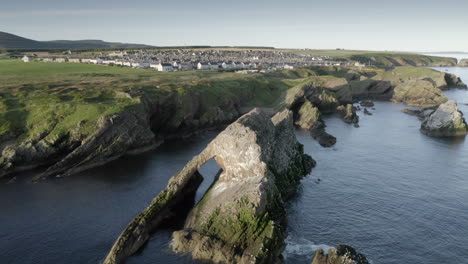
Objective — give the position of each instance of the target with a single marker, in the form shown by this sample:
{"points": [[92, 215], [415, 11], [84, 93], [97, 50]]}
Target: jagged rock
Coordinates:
{"points": [[116, 135], [367, 103], [421, 114], [446, 121], [348, 113], [366, 112], [180, 190], [453, 81], [323, 138], [422, 93], [342, 254], [325, 92], [463, 63], [241, 217], [373, 89], [309, 117]]}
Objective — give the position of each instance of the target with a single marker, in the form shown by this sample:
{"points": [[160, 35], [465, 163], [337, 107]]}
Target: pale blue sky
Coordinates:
{"points": [[410, 25]]}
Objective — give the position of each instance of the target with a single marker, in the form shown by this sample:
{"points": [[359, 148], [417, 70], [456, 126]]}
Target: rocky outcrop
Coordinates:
{"points": [[422, 93], [453, 81], [445, 121], [342, 254], [372, 89], [179, 193], [324, 92], [241, 217], [463, 63], [348, 113], [309, 117]]}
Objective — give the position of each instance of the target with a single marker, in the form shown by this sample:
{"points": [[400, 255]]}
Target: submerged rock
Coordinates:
{"points": [[446, 121], [241, 218], [366, 112], [342, 254]]}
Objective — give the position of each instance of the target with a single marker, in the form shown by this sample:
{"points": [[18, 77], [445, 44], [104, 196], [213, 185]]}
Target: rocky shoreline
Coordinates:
{"points": [[153, 119], [241, 218], [246, 224]]}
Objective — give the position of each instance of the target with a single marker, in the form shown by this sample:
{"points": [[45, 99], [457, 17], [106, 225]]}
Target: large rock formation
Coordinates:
{"points": [[446, 121], [417, 92], [453, 81], [348, 113], [309, 117], [325, 92], [241, 218], [342, 254], [463, 63]]}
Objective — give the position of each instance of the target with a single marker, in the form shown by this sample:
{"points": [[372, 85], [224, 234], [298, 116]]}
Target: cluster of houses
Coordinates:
{"points": [[186, 60]]}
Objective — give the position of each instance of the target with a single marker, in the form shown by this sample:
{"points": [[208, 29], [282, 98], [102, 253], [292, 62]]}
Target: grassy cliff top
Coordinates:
{"points": [[39, 96], [382, 58]]}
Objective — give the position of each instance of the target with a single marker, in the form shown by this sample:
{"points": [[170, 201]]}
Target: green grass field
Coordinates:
{"points": [[55, 97]]}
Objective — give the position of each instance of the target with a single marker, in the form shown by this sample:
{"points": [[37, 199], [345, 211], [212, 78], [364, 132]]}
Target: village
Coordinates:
{"points": [[241, 60]]}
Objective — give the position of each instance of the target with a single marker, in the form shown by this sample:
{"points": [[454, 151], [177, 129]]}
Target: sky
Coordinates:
{"points": [[394, 25]]}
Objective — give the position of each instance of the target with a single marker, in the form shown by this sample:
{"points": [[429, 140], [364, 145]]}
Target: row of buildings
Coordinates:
{"points": [[186, 59]]}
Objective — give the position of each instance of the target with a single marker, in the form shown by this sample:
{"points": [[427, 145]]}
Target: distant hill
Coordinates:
{"points": [[10, 41]]}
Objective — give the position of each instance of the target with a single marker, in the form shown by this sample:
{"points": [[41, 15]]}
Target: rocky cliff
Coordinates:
{"points": [[241, 218], [80, 127], [142, 125]]}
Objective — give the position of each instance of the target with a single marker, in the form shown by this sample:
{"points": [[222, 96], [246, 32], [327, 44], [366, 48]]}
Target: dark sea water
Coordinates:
{"points": [[395, 194]]}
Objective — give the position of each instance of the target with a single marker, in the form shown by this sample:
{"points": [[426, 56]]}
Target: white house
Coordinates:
{"points": [[25, 59], [203, 66], [164, 67]]}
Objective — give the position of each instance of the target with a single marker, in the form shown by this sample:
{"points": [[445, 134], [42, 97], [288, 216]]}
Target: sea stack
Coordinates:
{"points": [[241, 218], [445, 121]]}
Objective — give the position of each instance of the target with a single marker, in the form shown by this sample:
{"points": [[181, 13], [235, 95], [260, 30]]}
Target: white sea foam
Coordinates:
{"points": [[302, 247]]}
